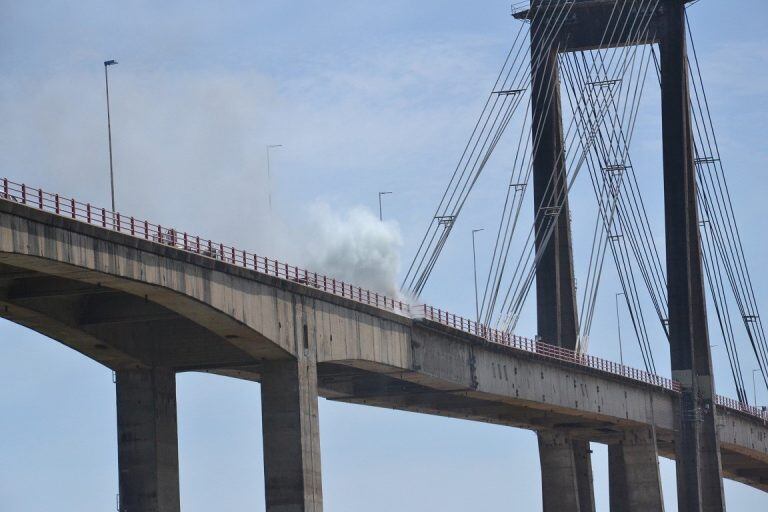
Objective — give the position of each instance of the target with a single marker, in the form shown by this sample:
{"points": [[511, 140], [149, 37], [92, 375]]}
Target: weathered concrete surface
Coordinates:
{"points": [[635, 483], [128, 303], [582, 455], [559, 481], [148, 453], [291, 433]]}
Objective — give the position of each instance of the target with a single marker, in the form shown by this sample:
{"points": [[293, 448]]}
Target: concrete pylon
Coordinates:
{"points": [[699, 471], [147, 442], [291, 437], [566, 474], [635, 484]]}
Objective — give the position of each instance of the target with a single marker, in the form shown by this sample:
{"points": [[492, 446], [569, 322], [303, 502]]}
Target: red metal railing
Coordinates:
{"points": [[101, 217], [730, 403], [545, 349], [143, 229], [571, 356]]}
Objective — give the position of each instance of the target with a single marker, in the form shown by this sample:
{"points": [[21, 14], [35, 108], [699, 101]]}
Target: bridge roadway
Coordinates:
{"points": [[148, 309]]}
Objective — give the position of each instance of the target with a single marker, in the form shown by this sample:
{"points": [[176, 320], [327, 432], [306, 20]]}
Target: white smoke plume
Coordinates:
{"points": [[354, 247]]}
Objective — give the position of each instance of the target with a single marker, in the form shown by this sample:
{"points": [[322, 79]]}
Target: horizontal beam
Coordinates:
{"points": [[597, 24]]}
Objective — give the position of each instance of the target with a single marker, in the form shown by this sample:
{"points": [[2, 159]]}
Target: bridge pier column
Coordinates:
{"points": [[291, 437], [566, 474], [147, 443], [635, 484]]}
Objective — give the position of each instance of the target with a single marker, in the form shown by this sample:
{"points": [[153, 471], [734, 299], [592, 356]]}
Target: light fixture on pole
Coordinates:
{"points": [[618, 327], [108, 63], [269, 173], [381, 216], [474, 265]]}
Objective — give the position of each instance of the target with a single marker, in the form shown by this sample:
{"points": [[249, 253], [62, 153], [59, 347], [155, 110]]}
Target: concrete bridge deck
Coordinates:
{"points": [[149, 309]]}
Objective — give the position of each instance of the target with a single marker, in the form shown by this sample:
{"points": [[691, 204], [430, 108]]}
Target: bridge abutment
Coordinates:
{"points": [[292, 470], [635, 484], [566, 474], [148, 454]]}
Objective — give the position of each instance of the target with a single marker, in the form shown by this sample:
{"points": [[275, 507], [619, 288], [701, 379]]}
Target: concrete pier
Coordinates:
{"points": [[566, 474], [635, 484], [148, 454], [291, 437], [582, 456]]}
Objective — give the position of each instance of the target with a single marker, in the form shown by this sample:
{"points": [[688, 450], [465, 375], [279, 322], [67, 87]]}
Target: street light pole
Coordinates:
{"points": [[269, 174], [474, 264], [618, 327], [108, 63], [381, 216]]}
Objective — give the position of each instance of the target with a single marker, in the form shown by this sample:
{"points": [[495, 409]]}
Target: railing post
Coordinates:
{"points": [[23, 194], [58, 209]]}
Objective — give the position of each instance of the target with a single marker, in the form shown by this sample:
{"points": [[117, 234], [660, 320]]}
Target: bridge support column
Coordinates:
{"points": [[291, 437], [566, 474], [635, 484], [147, 445]]}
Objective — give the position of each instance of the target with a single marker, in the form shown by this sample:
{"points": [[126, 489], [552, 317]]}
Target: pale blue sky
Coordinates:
{"points": [[365, 96]]}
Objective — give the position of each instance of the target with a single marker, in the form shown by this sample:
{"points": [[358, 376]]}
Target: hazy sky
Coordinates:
{"points": [[364, 96]]}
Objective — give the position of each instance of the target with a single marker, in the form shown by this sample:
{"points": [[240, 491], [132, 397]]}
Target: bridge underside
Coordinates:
{"points": [[121, 331]]}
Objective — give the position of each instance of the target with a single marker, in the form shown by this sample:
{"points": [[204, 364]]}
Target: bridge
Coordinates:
{"points": [[150, 301]]}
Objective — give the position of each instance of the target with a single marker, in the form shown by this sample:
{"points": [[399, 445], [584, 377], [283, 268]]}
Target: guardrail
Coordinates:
{"points": [[520, 6], [730, 403], [570, 356], [545, 349], [114, 221]]}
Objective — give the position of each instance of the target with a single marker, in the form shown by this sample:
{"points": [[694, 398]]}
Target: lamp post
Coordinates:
{"points": [[474, 264], [381, 216], [269, 173], [618, 327], [108, 63]]}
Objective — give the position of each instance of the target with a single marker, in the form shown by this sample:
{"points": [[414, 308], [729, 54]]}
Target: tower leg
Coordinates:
{"points": [[699, 473]]}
